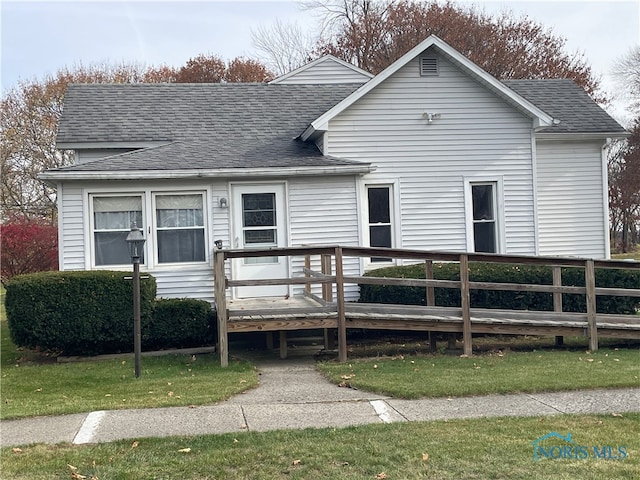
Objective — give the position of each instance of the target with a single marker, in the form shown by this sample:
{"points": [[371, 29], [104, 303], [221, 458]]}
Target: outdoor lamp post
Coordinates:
{"points": [[136, 243]]}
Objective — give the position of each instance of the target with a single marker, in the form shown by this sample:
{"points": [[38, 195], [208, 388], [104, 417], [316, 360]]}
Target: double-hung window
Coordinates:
{"points": [[379, 216], [173, 224], [179, 228], [113, 217], [484, 217]]}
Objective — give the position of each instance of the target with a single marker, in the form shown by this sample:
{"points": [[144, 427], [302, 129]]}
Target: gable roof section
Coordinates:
{"points": [[572, 108], [208, 128], [342, 72], [542, 119]]}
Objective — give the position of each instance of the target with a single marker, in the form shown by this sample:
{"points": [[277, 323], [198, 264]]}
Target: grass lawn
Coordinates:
{"points": [[459, 449], [31, 388], [496, 372]]}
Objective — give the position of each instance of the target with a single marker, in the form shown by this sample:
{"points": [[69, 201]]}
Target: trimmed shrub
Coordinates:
{"points": [[504, 273], [178, 323], [76, 313]]}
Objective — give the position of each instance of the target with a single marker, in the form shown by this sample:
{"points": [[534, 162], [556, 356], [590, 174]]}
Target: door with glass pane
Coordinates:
{"points": [[259, 220]]}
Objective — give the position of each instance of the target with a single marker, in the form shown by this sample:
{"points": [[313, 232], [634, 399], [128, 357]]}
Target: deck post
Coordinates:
{"points": [[465, 304], [307, 267], [220, 293], [283, 344], [590, 283], [327, 296], [557, 298], [431, 301], [342, 323]]}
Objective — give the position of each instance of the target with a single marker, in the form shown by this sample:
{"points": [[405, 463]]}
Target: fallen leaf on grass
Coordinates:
{"points": [[74, 473], [135, 444], [184, 450], [425, 457], [381, 476], [170, 394], [296, 462]]}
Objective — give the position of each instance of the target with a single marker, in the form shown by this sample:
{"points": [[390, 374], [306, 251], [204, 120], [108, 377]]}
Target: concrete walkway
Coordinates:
{"points": [[293, 395]]}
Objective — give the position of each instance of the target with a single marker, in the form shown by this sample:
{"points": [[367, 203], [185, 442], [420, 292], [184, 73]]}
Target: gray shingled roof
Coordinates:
{"points": [[567, 102], [228, 126], [205, 126]]}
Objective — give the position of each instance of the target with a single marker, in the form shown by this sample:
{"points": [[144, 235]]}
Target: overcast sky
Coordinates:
{"points": [[41, 37]]}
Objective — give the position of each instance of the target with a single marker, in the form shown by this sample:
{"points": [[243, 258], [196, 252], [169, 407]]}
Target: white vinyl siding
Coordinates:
{"points": [[72, 238], [324, 211], [477, 133], [326, 70], [570, 204]]}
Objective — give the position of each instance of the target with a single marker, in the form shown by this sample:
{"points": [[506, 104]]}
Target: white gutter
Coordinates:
{"points": [[210, 173], [581, 136]]}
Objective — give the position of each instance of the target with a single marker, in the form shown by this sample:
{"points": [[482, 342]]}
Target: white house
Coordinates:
{"points": [[433, 153]]}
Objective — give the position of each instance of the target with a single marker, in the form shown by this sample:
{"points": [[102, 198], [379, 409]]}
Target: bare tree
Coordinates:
{"points": [[627, 72], [284, 46]]}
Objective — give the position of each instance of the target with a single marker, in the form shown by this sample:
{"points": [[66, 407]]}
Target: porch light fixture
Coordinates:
{"points": [[136, 244], [431, 116], [224, 203]]}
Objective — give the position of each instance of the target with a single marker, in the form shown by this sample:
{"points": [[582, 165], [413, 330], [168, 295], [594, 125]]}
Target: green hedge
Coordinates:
{"points": [[91, 313], [179, 323], [504, 273]]}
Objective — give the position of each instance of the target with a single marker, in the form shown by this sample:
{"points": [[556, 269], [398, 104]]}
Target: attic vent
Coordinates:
{"points": [[428, 66]]}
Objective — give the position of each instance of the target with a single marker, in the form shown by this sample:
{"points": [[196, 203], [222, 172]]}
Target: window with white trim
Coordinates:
{"points": [[179, 228], [380, 218], [485, 217], [175, 229], [113, 217]]}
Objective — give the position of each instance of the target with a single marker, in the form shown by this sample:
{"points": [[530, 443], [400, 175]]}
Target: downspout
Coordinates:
{"points": [[605, 198], [534, 185]]}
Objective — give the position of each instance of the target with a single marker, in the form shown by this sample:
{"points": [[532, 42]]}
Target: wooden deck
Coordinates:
{"points": [[311, 311]]}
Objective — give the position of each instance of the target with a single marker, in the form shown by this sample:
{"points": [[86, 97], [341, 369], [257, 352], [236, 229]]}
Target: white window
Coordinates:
{"points": [[380, 217], [175, 231], [483, 216], [113, 217], [180, 234]]}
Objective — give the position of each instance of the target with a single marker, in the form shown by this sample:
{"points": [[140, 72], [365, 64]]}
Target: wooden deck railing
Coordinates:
{"points": [[339, 314]]}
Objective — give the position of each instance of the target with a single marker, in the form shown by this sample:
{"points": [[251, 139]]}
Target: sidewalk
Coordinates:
{"points": [[292, 395]]}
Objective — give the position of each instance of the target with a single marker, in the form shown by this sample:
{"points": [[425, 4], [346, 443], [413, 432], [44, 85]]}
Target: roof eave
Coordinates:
{"points": [[57, 175], [74, 145], [581, 135]]}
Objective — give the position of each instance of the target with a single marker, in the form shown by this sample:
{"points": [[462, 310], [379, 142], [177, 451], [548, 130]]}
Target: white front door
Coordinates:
{"points": [[259, 221]]}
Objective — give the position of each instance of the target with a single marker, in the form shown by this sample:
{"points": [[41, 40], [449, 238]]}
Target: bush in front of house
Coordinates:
{"points": [[504, 273], [76, 313], [179, 323], [91, 313]]}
